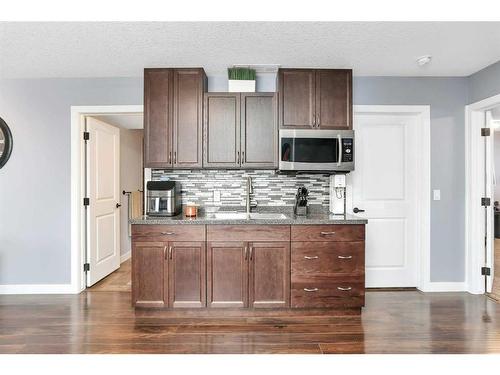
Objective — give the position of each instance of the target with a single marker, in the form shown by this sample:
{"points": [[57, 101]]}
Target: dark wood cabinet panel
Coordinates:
{"points": [[158, 118], [189, 86], [149, 269], [222, 130], [227, 274], [248, 232], [341, 292], [296, 98], [164, 233], [328, 232], [334, 98], [269, 276], [187, 274], [326, 259], [258, 130]]}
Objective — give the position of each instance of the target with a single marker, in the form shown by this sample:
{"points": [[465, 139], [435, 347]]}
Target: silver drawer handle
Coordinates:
{"points": [[344, 289], [309, 257], [345, 257], [311, 289], [168, 233], [327, 233]]}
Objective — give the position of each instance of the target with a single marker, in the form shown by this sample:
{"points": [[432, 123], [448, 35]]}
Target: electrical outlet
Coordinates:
{"points": [[216, 196], [436, 194]]}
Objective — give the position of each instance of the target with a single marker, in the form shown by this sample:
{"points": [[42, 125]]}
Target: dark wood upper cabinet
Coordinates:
{"points": [[334, 99], [258, 130], [189, 86], [222, 130], [297, 98], [149, 274], [227, 274], [158, 118], [173, 117], [315, 98], [187, 274], [269, 285]]}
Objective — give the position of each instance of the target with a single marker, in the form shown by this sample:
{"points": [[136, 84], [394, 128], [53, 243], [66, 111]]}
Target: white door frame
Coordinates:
{"points": [[474, 213], [424, 185], [78, 114]]}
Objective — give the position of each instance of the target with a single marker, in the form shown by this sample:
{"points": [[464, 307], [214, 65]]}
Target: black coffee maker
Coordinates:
{"points": [[300, 208]]}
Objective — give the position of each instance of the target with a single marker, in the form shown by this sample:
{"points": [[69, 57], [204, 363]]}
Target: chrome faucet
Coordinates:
{"points": [[249, 191]]}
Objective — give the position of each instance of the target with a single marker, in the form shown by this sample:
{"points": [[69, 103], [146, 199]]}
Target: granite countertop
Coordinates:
{"points": [[316, 215]]}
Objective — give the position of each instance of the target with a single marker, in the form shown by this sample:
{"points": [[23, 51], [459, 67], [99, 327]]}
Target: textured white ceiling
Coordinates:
{"points": [[32, 50]]}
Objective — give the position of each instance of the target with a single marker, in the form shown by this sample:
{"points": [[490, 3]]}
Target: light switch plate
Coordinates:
{"points": [[216, 196], [436, 194]]}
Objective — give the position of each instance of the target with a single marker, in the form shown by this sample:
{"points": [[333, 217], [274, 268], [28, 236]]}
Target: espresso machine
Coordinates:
{"points": [[163, 198]]}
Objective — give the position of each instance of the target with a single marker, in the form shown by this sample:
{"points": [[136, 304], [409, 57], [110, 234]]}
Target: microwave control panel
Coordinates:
{"points": [[347, 150]]}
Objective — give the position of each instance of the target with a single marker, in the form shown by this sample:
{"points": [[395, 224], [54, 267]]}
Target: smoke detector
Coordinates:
{"points": [[424, 60]]}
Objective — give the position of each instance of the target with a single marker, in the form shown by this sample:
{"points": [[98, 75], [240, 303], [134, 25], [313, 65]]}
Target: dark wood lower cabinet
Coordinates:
{"points": [[269, 276], [150, 285], [281, 268], [186, 274], [227, 274]]}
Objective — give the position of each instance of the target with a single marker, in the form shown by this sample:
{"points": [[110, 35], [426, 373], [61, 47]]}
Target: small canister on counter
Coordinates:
{"points": [[191, 209]]}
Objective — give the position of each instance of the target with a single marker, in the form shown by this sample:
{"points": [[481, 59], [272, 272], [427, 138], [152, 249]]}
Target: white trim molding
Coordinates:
{"points": [[78, 113], [436, 286], [125, 257], [475, 153], [424, 188], [37, 289]]}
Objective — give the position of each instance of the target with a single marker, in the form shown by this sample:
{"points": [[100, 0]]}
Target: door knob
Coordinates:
{"points": [[356, 210], [118, 205]]}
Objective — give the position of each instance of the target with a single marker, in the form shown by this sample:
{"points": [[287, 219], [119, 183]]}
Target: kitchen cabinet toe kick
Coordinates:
{"points": [[231, 271]]}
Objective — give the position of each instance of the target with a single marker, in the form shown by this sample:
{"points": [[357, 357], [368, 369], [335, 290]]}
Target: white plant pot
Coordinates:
{"points": [[241, 86]]}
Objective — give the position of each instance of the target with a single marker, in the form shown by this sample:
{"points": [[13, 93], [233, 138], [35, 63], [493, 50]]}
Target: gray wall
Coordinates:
{"points": [[484, 83], [35, 184]]}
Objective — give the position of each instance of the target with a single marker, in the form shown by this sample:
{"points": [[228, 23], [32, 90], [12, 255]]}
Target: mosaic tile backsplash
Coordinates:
{"points": [[269, 188]]}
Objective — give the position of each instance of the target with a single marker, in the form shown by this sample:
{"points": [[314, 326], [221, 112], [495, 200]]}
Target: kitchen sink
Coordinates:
{"points": [[244, 216]]}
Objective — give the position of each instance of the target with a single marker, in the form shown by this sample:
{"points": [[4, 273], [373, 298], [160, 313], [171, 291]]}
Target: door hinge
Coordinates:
{"points": [[86, 267], [485, 271], [485, 132], [485, 202], [86, 136], [86, 201]]}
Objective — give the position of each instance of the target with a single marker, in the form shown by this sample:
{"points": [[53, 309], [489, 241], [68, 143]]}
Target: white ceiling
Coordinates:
{"points": [[124, 121], [111, 49]]}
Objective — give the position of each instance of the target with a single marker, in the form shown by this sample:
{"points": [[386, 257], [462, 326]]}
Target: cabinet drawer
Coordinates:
{"points": [[335, 294], [168, 232], [250, 233], [320, 259], [342, 232]]}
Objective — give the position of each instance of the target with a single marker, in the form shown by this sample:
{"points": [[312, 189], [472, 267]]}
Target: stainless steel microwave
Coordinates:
{"points": [[316, 150]]}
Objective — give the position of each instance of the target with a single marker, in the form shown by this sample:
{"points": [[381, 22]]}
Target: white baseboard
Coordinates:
{"points": [[125, 257], [37, 289], [445, 287]]}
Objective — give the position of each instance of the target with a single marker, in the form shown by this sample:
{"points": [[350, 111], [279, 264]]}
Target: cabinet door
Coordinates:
{"points": [[189, 86], [157, 118], [334, 99], [227, 274], [149, 269], [187, 276], [259, 132], [296, 98], [269, 284], [222, 130]]}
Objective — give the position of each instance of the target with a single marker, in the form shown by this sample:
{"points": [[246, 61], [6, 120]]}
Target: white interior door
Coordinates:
{"points": [[103, 186], [384, 185]]}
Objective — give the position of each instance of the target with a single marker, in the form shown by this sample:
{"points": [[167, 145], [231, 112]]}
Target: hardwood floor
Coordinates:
{"points": [[118, 281], [392, 322]]}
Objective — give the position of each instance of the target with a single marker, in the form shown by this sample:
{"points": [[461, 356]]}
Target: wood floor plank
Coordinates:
{"points": [[391, 322]]}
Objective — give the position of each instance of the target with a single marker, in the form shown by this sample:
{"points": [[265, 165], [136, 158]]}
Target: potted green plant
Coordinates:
{"points": [[241, 80]]}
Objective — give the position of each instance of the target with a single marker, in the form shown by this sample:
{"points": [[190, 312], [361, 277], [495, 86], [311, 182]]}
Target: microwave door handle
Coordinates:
{"points": [[339, 160]]}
